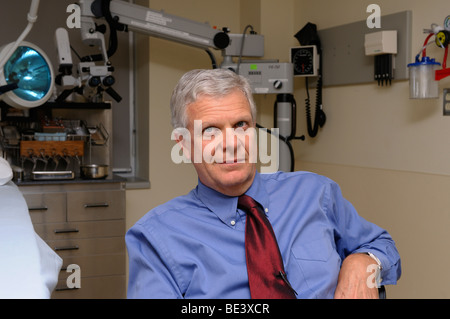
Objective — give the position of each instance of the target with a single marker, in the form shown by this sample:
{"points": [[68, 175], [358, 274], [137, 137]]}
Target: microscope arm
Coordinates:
{"points": [[121, 16], [157, 23]]}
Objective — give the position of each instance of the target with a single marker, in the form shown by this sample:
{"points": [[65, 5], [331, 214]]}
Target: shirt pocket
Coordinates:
{"points": [[320, 264], [316, 250]]}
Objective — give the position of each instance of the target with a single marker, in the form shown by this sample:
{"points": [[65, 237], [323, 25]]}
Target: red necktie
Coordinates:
{"points": [[266, 276]]}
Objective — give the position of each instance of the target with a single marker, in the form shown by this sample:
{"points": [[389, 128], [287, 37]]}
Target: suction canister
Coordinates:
{"points": [[422, 82]]}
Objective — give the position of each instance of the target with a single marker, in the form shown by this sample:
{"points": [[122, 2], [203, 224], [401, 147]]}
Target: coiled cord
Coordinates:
{"points": [[319, 118]]}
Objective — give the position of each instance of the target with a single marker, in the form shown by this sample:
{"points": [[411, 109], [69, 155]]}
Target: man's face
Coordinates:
{"points": [[225, 164]]}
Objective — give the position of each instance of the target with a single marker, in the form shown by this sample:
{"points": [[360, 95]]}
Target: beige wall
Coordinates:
{"points": [[388, 153], [379, 126]]}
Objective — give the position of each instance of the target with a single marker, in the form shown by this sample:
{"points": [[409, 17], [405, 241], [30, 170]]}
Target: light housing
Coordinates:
{"points": [[31, 67]]}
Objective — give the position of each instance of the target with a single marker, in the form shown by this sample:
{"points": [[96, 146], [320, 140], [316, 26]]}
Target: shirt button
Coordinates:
{"points": [[233, 222]]}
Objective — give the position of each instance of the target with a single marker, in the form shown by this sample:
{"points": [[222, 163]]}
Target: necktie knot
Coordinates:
{"points": [[246, 203]]}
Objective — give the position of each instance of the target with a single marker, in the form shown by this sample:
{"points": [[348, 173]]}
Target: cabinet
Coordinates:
{"points": [[84, 222]]}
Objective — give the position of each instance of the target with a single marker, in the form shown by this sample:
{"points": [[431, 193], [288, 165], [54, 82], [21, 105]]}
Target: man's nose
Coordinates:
{"points": [[229, 140]]}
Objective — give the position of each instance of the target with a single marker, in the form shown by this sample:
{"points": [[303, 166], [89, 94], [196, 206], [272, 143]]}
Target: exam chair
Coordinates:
{"points": [[382, 292], [29, 267]]}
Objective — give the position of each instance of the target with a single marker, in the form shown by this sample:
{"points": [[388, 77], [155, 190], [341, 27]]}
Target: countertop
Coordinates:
{"points": [[109, 179]]}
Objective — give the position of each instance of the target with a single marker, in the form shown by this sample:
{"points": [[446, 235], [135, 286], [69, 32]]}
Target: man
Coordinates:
{"points": [[195, 246]]}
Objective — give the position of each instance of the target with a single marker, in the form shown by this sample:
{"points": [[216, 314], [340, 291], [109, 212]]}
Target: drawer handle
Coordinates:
{"points": [[31, 209], [63, 231], [96, 205], [65, 288], [67, 248]]}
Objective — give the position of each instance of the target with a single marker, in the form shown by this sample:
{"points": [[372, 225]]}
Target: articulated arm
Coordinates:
{"points": [[158, 24]]}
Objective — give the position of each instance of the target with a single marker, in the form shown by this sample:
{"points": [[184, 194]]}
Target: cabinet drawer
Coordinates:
{"points": [[108, 287], [72, 230], [78, 247], [95, 205], [46, 208], [92, 266]]}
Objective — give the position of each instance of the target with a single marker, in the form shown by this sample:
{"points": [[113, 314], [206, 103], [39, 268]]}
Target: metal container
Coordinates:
{"points": [[93, 171]]}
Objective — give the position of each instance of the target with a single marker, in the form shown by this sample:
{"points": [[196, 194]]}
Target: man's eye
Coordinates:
{"points": [[241, 124], [210, 130]]}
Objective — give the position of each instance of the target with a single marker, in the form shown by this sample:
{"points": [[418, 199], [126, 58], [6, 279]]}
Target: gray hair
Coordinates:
{"points": [[215, 82]]}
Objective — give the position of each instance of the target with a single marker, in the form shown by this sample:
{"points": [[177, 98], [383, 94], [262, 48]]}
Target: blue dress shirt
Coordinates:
{"points": [[193, 245]]}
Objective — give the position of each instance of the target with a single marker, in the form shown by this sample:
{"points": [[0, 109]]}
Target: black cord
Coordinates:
{"points": [[308, 36], [286, 140], [8, 87], [213, 59], [242, 46], [311, 131], [75, 52], [319, 116]]}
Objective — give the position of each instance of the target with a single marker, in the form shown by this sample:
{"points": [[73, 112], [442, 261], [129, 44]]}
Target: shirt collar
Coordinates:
{"points": [[258, 192], [225, 206]]}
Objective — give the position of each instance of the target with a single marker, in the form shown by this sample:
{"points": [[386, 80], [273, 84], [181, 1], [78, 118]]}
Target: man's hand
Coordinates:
{"points": [[352, 281]]}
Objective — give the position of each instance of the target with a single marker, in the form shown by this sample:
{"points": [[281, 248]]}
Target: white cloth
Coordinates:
{"points": [[6, 173], [29, 268]]}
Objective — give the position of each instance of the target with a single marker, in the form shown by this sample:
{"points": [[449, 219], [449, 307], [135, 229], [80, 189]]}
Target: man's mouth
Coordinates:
{"points": [[235, 161]]}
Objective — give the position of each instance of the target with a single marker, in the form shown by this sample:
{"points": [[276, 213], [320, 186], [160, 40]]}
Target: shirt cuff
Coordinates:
{"points": [[376, 259]]}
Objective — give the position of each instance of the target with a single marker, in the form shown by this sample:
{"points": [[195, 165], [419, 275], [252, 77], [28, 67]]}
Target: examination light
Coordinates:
{"points": [[27, 75]]}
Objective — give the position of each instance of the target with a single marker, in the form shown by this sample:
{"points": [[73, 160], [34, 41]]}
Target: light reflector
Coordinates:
{"points": [[30, 68]]}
